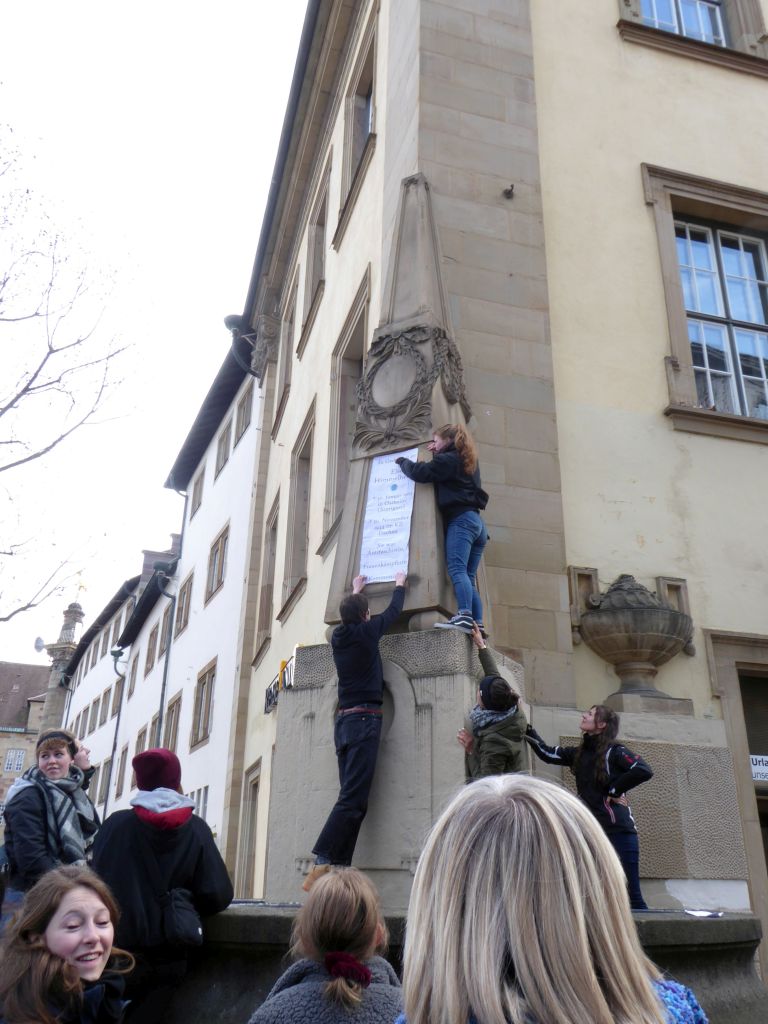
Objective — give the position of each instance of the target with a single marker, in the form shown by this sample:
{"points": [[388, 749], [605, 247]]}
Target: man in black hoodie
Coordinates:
{"points": [[357, 732]]}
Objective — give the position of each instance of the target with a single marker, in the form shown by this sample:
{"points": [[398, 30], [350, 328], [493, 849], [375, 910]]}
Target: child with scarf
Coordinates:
{"points": [[49, 819], [494, 734]]}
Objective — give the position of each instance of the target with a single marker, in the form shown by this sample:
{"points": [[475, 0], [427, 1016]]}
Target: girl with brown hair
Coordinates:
{"points": [[455, 472], [57, 961], [605, 771], [342, 978]]}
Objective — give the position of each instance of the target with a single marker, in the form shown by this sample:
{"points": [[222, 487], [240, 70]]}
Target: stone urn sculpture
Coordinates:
{"points": [[629, 627]]}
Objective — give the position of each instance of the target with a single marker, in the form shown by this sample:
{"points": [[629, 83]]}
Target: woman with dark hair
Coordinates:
{"points": [[494, 732], [49, 819], [57, 961], [605, 771], [455, 472], [341, 977]]}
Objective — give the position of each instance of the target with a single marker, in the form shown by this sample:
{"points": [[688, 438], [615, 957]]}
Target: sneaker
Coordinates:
{"points": [[314, 874], [463, 622], [483, 630]]}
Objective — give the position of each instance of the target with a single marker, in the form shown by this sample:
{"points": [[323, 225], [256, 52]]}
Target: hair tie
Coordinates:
{"points": [[344, 965]]}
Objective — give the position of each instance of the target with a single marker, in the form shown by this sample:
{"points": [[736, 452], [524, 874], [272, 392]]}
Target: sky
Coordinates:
{"points": [[146, 135]]}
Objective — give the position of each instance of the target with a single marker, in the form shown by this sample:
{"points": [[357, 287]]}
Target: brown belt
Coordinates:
{"points": [[361, 711]]}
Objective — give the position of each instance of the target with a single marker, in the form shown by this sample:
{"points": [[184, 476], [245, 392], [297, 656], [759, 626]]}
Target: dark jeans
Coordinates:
{"points": [[627, 846], [357, 739], [465, 538]]}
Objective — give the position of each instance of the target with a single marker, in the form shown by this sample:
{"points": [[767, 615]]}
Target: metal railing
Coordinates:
{"points": [[282, 681]]}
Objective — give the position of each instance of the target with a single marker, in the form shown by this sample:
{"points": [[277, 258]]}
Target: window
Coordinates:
{"points": [[154, 730], [243, 414], [172, 715], [346, 371], [94, 715], [182, 604], [316, 243], [141, 745], [93, 786], [731, 33], [94, 652], [712, 243], [132, 675], [14, 760], [117, 697], [149, 661], [120, 781], [83, 724], [266, 594], [197, 492], [285, 358], [165, 630], [359, 129], [116, 629], [201, 714], [246, 862], [222, 448], [106, 770], [725, 292], [697, 19], [104, 643], [105, 705], [217, 560], [297, 542]]}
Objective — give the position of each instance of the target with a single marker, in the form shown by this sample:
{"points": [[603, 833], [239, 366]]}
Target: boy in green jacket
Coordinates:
{"points": [[493, 736]]}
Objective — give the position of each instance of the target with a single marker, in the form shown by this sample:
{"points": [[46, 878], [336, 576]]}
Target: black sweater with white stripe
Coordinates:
{"points": [[624, 771]]}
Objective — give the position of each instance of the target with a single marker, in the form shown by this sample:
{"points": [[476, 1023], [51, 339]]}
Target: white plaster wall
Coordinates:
{"points": [[640, 497]]}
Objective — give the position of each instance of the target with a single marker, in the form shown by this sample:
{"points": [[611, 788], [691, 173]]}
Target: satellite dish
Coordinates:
{"points": [[39, 644]]}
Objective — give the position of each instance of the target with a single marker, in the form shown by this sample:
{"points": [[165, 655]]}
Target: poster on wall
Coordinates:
{"points": [[387, 524]]}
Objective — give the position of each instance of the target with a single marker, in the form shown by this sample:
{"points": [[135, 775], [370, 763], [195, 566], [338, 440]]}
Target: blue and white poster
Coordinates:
{"points": [[387, 524]]}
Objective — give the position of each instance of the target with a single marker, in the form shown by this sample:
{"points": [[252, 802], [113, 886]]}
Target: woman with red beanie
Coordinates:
{"points": [[146, 855]]}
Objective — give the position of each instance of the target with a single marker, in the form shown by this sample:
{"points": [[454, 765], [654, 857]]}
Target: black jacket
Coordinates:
{"points": [[456, 491], [625, 770], [356, 655], [188, 859]]}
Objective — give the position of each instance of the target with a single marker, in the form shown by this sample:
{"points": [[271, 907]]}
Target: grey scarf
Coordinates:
{"points": [[481, 718], [71, 818]]}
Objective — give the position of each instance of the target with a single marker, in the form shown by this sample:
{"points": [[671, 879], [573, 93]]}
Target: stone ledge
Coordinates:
{"points": [[245, 950]]}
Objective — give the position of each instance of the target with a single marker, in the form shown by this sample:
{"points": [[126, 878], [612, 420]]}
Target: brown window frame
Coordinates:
{"points": [[151, 655], [202, 708], [673, 195], [183, 602], [217, 564], [244, 412], [197, 492], [223, 448], [172, 720]]}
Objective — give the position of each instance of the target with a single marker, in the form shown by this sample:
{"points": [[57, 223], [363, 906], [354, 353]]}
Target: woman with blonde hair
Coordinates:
{"points": [[57, 961], [455, 472], [341, 977], [519, 915]]}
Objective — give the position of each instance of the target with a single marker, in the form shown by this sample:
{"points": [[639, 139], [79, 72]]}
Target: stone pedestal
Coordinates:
{"points": [[651, 701], [431, 681]]}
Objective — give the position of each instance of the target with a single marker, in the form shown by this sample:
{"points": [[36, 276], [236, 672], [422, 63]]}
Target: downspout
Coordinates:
{"points": [[116, 653]]}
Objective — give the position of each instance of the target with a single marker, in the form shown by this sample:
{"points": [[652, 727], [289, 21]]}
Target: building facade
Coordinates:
{"points": [[597, 191], [22, 696]]}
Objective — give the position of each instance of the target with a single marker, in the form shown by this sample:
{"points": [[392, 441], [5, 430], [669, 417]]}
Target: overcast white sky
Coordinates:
{"points": [[148, 134]]}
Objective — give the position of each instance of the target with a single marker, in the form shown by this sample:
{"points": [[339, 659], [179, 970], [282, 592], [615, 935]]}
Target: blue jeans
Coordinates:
{"points": [[357, 738], [627, 846], [465, 538]]}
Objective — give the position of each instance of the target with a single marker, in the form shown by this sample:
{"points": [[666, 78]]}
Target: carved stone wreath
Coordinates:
{"points": [[409, 418]]}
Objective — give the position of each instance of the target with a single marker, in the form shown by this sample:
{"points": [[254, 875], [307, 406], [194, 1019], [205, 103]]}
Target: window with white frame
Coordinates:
{"points": [[695, 19], [724, 276], [14, 760]]}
